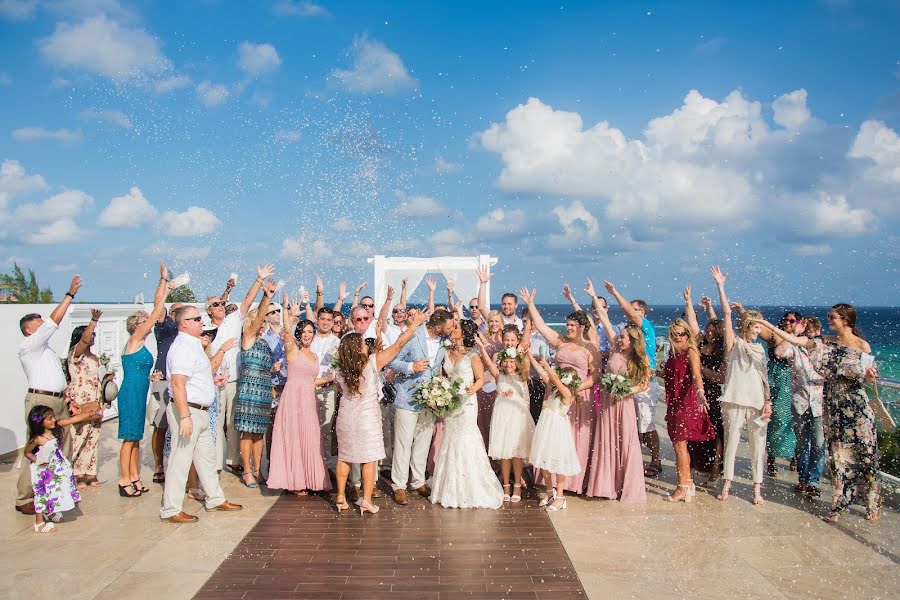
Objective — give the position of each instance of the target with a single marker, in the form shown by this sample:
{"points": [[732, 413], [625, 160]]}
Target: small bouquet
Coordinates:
{"points": [[616, 385], [104, 369], [440, 395]]}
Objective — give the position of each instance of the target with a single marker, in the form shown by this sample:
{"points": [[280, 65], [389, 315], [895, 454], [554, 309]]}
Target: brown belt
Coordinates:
{"points": [[197, 406], [45, 393]]}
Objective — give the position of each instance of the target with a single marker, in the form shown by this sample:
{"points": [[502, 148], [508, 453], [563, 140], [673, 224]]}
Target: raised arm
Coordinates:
{"points": [[450, 302], [320, 294], [159, 311], [289, 315], [342, 295], [486, 358], [528, 297], [385, 309], [797, 340], [484, 275], [432, 286], [383, 357], [564, 391], [706, 303], [689, 313], [567, 294], [229, 285], [632, 315], [540, 370], [59, 312], [356, 294], [84, 343], [603, 315], [720, 278], [403, 291], [261, 274], [248, 338], [303, 300]]}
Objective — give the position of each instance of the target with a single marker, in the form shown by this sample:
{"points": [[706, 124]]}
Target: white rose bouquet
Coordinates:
{"points": [[440, 395], [616, 385]]}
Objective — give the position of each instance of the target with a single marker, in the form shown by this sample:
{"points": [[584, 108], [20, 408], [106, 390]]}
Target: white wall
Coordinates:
{"points": [[111, 338]]}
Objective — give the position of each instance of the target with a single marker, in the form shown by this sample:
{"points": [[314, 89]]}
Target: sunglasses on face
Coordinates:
{"points": [[196, 319], [362, 319], [790, 320], [679, 333], [216, 304], [273, 312], [366, 305], [473, 306], [398, 311]]}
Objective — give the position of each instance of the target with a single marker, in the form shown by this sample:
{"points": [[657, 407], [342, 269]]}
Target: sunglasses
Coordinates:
{"points": [[273, 312], [366, 305], [398, 311], [216, 304], [196, 319], [790, 320], [473, 306], [679, 333], [362, 319]]}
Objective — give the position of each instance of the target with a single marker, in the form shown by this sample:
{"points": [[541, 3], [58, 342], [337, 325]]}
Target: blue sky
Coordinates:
{"points": [[635, 141]]}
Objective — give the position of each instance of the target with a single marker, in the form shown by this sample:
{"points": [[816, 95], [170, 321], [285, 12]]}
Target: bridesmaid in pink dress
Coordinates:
{"points": [[297, 459], [617, 469], [574, 349]]}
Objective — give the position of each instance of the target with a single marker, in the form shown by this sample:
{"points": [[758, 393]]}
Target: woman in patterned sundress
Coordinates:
{"points": [[253, 402]]}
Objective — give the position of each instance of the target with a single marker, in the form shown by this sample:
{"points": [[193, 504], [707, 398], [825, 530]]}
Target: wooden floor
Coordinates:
{"points": [[301, 548]]}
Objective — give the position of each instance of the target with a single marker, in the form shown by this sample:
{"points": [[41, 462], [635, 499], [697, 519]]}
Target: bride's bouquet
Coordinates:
{"points": [[616, 385], [441, 395]]}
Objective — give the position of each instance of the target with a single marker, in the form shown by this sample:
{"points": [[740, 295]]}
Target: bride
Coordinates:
{"points": [[463, 477]]}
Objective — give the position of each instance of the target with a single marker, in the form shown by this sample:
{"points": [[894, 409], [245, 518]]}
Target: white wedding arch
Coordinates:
{"points": [[392, 270]]}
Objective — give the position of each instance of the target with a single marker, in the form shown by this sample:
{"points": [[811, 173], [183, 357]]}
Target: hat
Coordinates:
{"points": [[109, 391]]}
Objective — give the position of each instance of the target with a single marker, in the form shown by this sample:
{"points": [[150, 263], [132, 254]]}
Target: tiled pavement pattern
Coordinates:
{"points": [[301, 548]]}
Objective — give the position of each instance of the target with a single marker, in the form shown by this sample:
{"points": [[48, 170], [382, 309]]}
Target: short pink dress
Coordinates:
{"points": [[298, 453], [359, 436]]}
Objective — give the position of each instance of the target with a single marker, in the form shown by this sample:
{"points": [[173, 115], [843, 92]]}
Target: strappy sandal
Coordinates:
{"points": [[506, 496], [757, 495], [547, 499], [123, 491], [159, 477], [142, 489], [516, 497], [258, 477], [725, 491], [45, 527], [249, 484]]}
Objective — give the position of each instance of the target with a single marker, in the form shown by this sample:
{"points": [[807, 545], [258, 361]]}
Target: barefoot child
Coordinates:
{"points": [[553, 446], [51, 473]]}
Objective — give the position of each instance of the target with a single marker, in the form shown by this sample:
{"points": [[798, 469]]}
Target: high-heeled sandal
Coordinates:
{"points": [[142, 489], [873, 514], [123, 491], [516, 497], [757, 495], [251, 484], [687, 497], [548, 498], [555, 507], [725, 491], [258, 477], [365, 506], [341, 504], [506, 496]]}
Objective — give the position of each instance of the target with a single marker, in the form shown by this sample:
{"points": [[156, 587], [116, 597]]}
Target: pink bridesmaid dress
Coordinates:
{"points": [[617, 469], [297, 461], [581, 414]]}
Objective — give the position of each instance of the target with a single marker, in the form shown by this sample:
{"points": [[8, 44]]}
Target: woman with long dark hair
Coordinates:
{"points": [[84, 388]]}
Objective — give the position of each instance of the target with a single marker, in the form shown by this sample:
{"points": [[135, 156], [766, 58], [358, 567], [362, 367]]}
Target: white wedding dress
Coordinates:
{"points": [[463, 477]]}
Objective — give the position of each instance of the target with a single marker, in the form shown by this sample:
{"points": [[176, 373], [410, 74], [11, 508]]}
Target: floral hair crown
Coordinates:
{"points": [[573, 382], [510, 353]]}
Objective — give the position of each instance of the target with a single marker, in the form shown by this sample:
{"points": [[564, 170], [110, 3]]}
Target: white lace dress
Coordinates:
{"points": [[463, 477]]}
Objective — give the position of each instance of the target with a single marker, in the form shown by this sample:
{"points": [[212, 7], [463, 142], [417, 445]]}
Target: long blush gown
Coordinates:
{"points": [[617, 469], [298, 455], [581, 413]]}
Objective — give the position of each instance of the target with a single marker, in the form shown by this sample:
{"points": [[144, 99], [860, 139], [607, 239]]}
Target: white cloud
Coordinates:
{"points": [[174, 254], [14, 179], [257, 59], [17, 10], [101, 45], [285, 136], [578, 225], [790, 110], [810, 249], [59, 231], [832, 216], [376, 69], [64, 205], [31, 134], [115, 118], [450, 242], [196, 220], [500, 222], [445, 166], [212, 94], [880, 144], [170, 84], [419, 206], [290, 8], [292, 249], [129, 210]]}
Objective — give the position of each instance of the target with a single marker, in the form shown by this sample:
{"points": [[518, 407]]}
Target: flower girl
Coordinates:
{"points": [[511, 424], [553, 446]]}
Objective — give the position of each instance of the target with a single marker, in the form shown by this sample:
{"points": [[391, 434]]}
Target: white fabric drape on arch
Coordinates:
{"points": [[462, 269]]}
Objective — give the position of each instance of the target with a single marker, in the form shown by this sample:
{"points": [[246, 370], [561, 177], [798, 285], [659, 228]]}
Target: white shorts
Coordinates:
{"points": [[645, 408]]}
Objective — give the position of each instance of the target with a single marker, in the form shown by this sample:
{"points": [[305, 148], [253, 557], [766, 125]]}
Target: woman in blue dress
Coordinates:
{"points": [[137, 362], [253, 401]]}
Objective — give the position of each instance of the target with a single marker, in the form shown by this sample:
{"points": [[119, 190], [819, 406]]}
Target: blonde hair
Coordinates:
{"points": [[691, 338], [746, 320], [250, 316], [638, 361], [131, 322]]}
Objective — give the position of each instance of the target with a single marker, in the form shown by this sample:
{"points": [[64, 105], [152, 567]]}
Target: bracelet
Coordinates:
{"points": [[185, 417], [70, 295], [95, 320]]}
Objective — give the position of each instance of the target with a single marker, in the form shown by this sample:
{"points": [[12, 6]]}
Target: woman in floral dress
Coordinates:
{"points": [[84, 388]]}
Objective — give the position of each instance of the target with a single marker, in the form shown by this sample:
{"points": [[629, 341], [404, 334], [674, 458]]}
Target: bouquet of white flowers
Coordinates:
{"points": [[616, 385], [440, 395]]}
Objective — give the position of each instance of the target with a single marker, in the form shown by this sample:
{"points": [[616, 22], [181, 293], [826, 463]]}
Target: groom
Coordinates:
{"points": [[417, 363]]}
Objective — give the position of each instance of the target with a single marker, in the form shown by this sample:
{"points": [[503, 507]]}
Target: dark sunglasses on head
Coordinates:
{"points": [[273, 312], [216, 304], [365, 305]]}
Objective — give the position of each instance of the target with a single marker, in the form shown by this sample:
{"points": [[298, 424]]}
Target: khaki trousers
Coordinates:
{"points": [[326, 399], [24, 492], [412, 439], [198, 449], [227, 445]]}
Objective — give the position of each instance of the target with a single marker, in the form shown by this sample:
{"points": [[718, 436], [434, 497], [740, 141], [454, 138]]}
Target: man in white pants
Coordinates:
{"points": [[192, 391]]}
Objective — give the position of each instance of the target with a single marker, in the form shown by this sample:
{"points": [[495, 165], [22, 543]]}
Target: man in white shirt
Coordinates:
{"points": [[46, 382], [509, 302], [193, 391], [324, 346], [229, 327]]}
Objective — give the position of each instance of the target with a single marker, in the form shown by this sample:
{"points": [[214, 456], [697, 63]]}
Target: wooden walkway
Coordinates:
{"points": [[301, 548]]}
